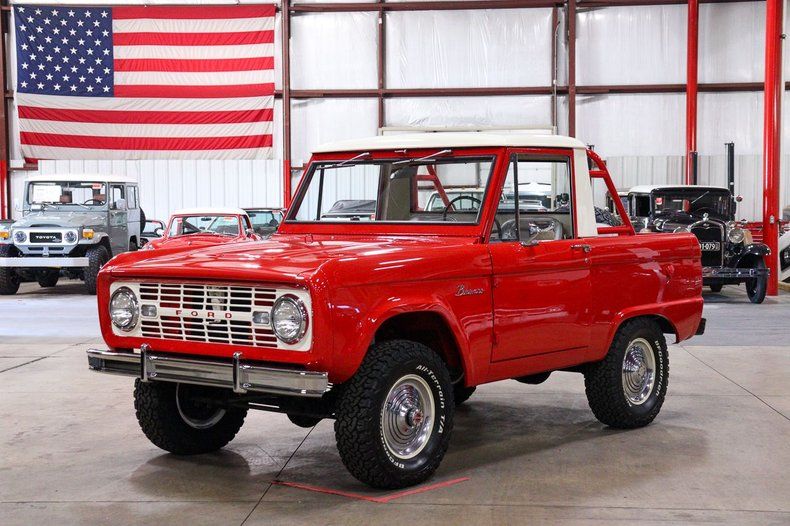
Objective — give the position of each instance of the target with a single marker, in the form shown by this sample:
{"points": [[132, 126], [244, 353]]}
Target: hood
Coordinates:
{"points": [[63, 219], [192, 241], [290, 258]]}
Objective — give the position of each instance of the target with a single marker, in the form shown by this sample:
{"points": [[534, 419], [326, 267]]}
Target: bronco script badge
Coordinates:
{"points": [[463, 291]]}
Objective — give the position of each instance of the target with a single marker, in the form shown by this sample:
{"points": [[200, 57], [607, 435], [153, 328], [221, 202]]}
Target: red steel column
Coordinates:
{"points": [[772, 126], [691, 85], [286, 71]]}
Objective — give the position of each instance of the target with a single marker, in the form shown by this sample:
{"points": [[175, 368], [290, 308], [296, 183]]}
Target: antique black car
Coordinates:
{"points": [[729, 256]]}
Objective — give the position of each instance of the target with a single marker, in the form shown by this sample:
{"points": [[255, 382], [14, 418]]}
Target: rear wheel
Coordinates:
{"points": [[627, 388], [97, 256], [47, 277], [185, 419], [9, 279], [757, 287], [395, 416]]}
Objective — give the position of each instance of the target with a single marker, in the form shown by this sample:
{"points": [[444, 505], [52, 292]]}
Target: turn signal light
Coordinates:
{"points": [[5, 234], [87, 233]]}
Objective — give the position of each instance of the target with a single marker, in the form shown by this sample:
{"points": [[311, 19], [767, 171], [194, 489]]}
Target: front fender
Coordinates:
{"points": [[750, 251], [355, 327]]}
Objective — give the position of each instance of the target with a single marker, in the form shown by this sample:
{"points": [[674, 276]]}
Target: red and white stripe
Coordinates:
{"points": [[190, 82]]}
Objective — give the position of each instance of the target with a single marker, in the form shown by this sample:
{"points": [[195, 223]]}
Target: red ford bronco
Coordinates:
{"points": [[386, 320]]}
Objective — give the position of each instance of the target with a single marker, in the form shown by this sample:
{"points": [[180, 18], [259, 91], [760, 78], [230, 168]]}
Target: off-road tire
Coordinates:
{"points": [[757, 287], [603, 381], [462, 393], [97, 256], [716, 287], [47, 278], [9, 279], [359, 427], [157, 412]]}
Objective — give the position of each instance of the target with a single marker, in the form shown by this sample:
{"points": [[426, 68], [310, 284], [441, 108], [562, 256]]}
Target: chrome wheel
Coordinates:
{"points": [[639, 371], [407, 417], [196, 414]]}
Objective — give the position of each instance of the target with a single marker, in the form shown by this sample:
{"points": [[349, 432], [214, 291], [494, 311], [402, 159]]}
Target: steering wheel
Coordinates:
{"points": [[92, 200], [474, 200]]}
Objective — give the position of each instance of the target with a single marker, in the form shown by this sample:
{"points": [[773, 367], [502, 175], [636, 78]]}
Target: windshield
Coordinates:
{"points": [[265, 221], [394, 190], [77, 194], [713, 202], [204, 224]]}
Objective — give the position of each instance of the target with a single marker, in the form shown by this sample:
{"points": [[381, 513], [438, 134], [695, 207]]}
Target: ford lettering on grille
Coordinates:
{"points": [[207, 313]]}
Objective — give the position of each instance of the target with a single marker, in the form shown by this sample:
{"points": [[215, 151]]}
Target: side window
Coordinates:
{"points": [[606, 212], [116, 193], [536, 200], [132, 201]]}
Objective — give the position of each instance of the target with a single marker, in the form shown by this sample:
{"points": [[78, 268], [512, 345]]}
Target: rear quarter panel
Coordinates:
{"points": [[644, 275]]}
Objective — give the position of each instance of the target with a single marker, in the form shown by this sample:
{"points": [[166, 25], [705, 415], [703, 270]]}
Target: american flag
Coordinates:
{"points": [[158, 82]]}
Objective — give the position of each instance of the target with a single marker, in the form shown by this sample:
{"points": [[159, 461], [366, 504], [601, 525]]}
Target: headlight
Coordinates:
{"points": [[289, 319], [124, 309], [70, 237], [20, 236], [736, 235]]}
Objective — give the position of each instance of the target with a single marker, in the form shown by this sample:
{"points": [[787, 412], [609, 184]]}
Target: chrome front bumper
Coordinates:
{"points": [[237, 375], [43, 262]]}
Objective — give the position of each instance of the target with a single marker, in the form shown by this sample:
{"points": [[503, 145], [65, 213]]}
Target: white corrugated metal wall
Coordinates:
{"points": [[641, 136]]}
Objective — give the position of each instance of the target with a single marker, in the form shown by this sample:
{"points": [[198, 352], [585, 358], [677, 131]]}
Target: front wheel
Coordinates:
{"points": [[97, 256], [395, 416], [716, 287], [9, 279], [757, 287], [627, 388], [185, 419]]}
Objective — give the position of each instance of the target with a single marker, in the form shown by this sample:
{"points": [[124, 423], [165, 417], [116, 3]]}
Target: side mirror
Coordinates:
{"points": [[532, 233], [159, 232], [17, 205], [250, 232], [738, 198]]}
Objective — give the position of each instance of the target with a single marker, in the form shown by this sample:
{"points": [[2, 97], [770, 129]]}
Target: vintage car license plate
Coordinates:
{"points": [[709, 246]]}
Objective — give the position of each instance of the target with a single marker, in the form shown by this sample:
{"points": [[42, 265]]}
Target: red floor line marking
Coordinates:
{"points": [[379, 500]]}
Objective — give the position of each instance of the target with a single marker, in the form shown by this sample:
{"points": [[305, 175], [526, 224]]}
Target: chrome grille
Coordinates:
{"points": [[207, 313]]}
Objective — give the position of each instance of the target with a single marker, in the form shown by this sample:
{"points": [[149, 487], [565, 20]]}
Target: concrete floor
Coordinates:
{"points": [[71, 451]]}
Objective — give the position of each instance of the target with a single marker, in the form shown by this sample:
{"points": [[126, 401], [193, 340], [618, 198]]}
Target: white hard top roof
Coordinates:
{"points": [[647, 188], [451, 140], [99, 178], [210, 211]]}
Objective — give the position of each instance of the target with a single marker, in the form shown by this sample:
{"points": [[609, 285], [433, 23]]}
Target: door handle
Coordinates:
{"points": [[584, 248]]}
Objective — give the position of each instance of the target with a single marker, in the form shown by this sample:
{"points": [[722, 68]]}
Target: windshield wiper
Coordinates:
{"points": [[426, 158], [347, 161], [700, 197]]}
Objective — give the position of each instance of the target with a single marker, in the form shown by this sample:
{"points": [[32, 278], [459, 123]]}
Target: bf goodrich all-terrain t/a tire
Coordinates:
{"points": [[47, 277], [462, 393], [9, 279], [757, 287], [627, 388], [176, 418], [395, 415], [97, 256]]}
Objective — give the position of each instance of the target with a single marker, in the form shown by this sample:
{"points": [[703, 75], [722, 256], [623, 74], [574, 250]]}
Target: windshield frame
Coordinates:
{"points": [[239, 222], [690, 194], [74, 206], [497, 157]]}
